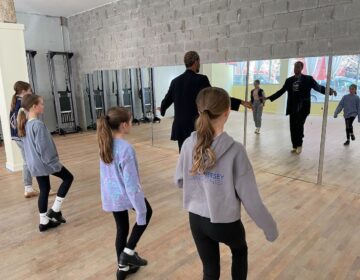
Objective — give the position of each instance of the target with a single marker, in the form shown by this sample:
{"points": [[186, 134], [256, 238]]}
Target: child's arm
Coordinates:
{"points": [[46, 147], [133, 186], [247, 190], [339, 107]]}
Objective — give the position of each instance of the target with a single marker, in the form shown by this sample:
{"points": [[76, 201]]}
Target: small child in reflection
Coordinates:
{"points": [[351, 105]]}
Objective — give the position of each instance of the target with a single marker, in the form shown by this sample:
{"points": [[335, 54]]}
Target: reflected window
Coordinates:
{"points": [[345, 71], [266, 71]]}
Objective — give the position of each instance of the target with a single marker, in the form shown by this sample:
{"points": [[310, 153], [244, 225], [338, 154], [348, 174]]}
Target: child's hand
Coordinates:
{"points": [[273, 236]]}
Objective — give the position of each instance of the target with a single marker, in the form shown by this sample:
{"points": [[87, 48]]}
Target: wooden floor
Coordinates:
{"points": [[270, 151], [319, 225]]}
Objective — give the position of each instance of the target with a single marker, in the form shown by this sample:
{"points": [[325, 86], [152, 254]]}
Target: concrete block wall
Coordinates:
{"points": [[132, 33], [140, 33]]}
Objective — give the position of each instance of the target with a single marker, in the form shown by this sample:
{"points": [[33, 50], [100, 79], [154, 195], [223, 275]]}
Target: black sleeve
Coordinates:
{"points": [[279, 93], [316, 86], [168, 100], [235, 103], [207, 82]]}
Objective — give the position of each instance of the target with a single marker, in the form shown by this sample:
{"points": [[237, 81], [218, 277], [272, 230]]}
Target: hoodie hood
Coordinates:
{"points": [[221, 144]]}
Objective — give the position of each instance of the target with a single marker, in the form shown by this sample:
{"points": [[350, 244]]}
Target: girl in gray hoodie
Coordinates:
{"points": [[42, 160], [217, 177]]}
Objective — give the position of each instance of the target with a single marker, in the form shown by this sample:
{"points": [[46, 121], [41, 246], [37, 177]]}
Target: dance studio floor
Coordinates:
{"points": [[319, 225]]}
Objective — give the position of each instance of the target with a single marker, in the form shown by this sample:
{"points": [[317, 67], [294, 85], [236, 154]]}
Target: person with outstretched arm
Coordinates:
{"points": [[298, 107]]}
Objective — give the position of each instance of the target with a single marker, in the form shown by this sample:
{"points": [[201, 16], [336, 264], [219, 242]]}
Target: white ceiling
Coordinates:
{"points": [[63, 8]]}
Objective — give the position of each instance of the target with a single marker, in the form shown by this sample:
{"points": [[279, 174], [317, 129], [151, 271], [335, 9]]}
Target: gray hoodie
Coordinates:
{"points": [[40, 152], [219, 192]]}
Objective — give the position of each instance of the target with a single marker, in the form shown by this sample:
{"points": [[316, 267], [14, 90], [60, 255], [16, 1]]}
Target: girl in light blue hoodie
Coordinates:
{"points": [[216, 176], [121, 188]]}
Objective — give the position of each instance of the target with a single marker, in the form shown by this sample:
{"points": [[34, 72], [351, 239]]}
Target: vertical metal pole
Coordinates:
{"points": [[324, 123], [246, 99], [358, 69]]}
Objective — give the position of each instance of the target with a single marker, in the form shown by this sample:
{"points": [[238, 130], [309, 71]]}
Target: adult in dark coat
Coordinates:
{"points": [[298, 106], [182, 92]]}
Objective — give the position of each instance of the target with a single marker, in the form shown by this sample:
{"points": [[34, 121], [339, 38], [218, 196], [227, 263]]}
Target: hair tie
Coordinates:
{"points": [[107, 118]]}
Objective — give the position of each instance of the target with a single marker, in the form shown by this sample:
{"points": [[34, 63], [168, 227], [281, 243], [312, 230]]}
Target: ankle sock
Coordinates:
{"points": [[57, 204], [29, 189], [124, 267], [129, 251], [44, 220]]}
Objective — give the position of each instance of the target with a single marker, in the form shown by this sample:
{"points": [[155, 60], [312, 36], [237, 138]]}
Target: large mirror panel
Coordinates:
{"points": [[342, 158]]}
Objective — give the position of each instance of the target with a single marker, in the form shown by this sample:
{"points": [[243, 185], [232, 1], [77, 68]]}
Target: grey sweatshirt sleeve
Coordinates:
{"points": [[339, 107], [179, 176], [46, 147], [247, 190]]}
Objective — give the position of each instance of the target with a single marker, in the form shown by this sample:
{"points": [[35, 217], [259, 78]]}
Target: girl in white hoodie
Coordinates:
{"points": [[216, 176]]}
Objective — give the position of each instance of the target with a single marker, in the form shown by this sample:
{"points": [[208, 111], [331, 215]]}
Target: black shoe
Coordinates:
{"points": [[55, 216], [347, 143], [353, 137], [121, 275], [126, 259], [49, 225]]}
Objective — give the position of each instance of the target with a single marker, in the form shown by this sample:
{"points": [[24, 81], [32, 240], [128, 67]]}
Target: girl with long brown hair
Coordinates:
{"points": [[216, 176], [42, 159], [21, 89], [121, 187]]}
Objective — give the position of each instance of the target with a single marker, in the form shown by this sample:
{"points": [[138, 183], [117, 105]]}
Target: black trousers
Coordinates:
{"points": [[297, 122], [180, 143], [207, 237], [122, 230], [44, 186], [349, 127]]}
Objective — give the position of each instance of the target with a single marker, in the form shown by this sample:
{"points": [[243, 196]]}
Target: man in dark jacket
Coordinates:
{"points": [[182, 92], [298, 106]]}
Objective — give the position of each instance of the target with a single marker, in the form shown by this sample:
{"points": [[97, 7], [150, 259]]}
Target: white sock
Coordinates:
{"points": [[124, 267], [44, 219], [129, 251], [57, 204], [29, 189]]}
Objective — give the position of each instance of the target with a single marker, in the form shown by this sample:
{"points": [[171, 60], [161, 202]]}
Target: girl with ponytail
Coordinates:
{"points": [[43, 160], [21, 89], [217, 177], [121, 187]]}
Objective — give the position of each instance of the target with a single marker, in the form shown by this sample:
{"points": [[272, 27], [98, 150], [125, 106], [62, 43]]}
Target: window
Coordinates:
{"points": [[345, 71], [267, 71]]}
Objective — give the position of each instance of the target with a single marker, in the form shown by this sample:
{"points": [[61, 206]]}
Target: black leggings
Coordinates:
{"points": [[122, 230], [349, 127], [44, 186], [207, 237]]}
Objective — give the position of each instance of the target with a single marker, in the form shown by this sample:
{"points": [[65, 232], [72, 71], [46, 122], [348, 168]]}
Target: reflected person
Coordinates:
{"points": [[298, 106], [182, 92]]}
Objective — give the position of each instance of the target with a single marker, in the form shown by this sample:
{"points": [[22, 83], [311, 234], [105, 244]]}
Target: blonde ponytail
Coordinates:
{"points": [[211, 102], [204, 156]]}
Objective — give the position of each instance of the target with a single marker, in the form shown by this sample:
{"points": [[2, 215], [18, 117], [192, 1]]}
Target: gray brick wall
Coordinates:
{"points": [[133, 33]]}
